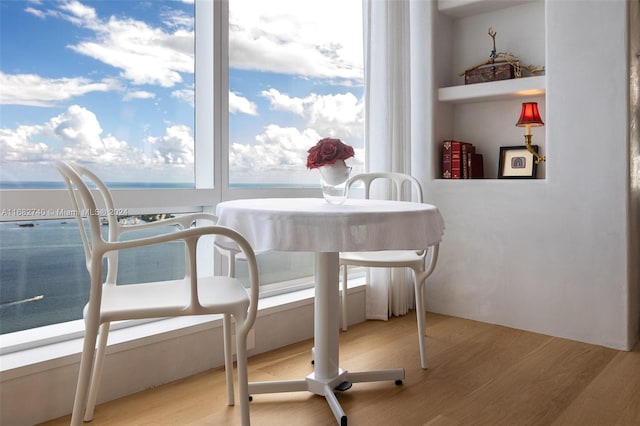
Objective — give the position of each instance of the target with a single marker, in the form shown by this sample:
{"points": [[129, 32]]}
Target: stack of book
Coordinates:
{"points": [[461, 161]]}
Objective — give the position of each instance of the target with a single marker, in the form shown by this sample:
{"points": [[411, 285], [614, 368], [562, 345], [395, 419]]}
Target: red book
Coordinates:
{"points": [[456, 159], [446, 160], [458, 166]]}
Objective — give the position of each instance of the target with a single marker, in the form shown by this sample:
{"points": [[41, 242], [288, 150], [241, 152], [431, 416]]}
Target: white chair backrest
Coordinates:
{"points": [[85, 207], [87, 210], [396, 188]]}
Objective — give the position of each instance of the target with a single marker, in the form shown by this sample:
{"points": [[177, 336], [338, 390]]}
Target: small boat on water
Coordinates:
{"points": [[30, 299]]}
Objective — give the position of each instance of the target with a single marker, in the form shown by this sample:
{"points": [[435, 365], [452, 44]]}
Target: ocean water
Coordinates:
{"points": [[44, 280], [43, 277]]}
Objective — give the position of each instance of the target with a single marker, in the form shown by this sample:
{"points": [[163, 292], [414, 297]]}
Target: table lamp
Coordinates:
{"points": [[530, 117]]}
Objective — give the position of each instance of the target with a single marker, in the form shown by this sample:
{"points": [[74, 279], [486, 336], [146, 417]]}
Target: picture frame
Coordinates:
{"points": [[516, 162]]}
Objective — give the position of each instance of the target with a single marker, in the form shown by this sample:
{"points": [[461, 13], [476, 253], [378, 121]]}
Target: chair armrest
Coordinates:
{"points": [[190, 237], [183, 221], [183, 234], [435, 249]]}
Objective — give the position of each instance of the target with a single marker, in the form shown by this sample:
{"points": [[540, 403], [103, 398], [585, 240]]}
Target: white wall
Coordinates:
{"points": [[551, 255], [634, 167]]}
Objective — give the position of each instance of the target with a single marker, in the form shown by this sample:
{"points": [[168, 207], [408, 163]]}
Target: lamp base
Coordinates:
{"points": [[539, 158]]}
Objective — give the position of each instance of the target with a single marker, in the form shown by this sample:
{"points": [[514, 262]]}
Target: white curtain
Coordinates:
{"points": [[396, 107]]}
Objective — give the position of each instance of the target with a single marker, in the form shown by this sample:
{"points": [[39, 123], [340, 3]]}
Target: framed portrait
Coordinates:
{"points": [[516, 162]]}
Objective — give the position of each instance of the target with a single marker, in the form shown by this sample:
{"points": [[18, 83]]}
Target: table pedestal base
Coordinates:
{"points": [[327, 387], [327, 377]]}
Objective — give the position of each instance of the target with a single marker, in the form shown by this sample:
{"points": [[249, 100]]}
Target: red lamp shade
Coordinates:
{"points": [[529, 115]]}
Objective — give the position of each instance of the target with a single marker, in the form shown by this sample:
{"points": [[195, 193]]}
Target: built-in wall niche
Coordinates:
{"points": [[520, 30], [485, 113], [490, 125]]}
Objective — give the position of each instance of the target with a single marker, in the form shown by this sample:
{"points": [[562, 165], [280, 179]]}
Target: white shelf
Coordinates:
{"points": [[462, 8], [494, 90], [483, 113]]}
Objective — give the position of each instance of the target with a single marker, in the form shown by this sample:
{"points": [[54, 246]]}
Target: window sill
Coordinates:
{"points": [[33, 360]]}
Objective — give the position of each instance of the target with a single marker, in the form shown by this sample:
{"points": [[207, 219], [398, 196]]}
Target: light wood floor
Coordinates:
{"points": [[479, 374]]}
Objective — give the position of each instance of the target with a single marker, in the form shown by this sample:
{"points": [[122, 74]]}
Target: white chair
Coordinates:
{"points": [[421, 263], [191, 295]]}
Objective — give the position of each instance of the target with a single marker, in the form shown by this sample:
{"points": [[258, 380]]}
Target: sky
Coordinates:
{"points": [[110, 83]]}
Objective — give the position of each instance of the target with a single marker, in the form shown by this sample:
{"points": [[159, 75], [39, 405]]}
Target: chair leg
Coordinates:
{"points": [[420, 314], [103, 336], [344, 298], [228, 357], [420, 277], [243, 376], [84, 376]]}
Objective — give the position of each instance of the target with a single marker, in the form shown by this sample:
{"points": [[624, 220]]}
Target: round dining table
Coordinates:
{"points": [[314, 225]]}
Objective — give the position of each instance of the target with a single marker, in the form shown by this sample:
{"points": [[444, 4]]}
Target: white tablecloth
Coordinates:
{"points": [[312, 224]]}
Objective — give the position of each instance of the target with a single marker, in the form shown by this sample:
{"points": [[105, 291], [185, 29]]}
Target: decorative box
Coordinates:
{"points": [[490, 72]]}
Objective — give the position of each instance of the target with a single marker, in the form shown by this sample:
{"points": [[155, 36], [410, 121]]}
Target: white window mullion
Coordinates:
{"points": [[205, 125], [221, 94]]}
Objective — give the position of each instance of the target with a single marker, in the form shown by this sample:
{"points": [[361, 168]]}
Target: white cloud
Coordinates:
{"points": [[138, 94], [338, 115], [18, 145], [81, 135], [35, 12], [33, 90], [279, 156], [79, 12], [313, 39], [241, 104], [278, 148], [76, 135], [185, 95], [175, 147], [279, 153], [143, 54], [281, 101]]}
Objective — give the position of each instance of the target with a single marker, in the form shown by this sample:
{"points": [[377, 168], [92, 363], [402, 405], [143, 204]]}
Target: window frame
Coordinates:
{"points": [[211, 148]]}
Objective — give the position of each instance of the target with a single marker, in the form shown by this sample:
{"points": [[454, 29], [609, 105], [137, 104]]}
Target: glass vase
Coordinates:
{"points": [[333, 180]]}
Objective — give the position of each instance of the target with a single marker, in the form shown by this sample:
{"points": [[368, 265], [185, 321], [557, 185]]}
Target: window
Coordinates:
{"points": [[295, 77], [108, 83], [44, 278], [112, 84]]}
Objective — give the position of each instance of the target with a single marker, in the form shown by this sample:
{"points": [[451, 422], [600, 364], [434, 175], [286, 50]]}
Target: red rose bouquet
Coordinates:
{"points": [[328, 151]]}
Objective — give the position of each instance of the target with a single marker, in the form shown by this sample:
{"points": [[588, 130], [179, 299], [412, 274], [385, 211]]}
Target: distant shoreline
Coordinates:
{"points": [[138, 185], [60, 185]]}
